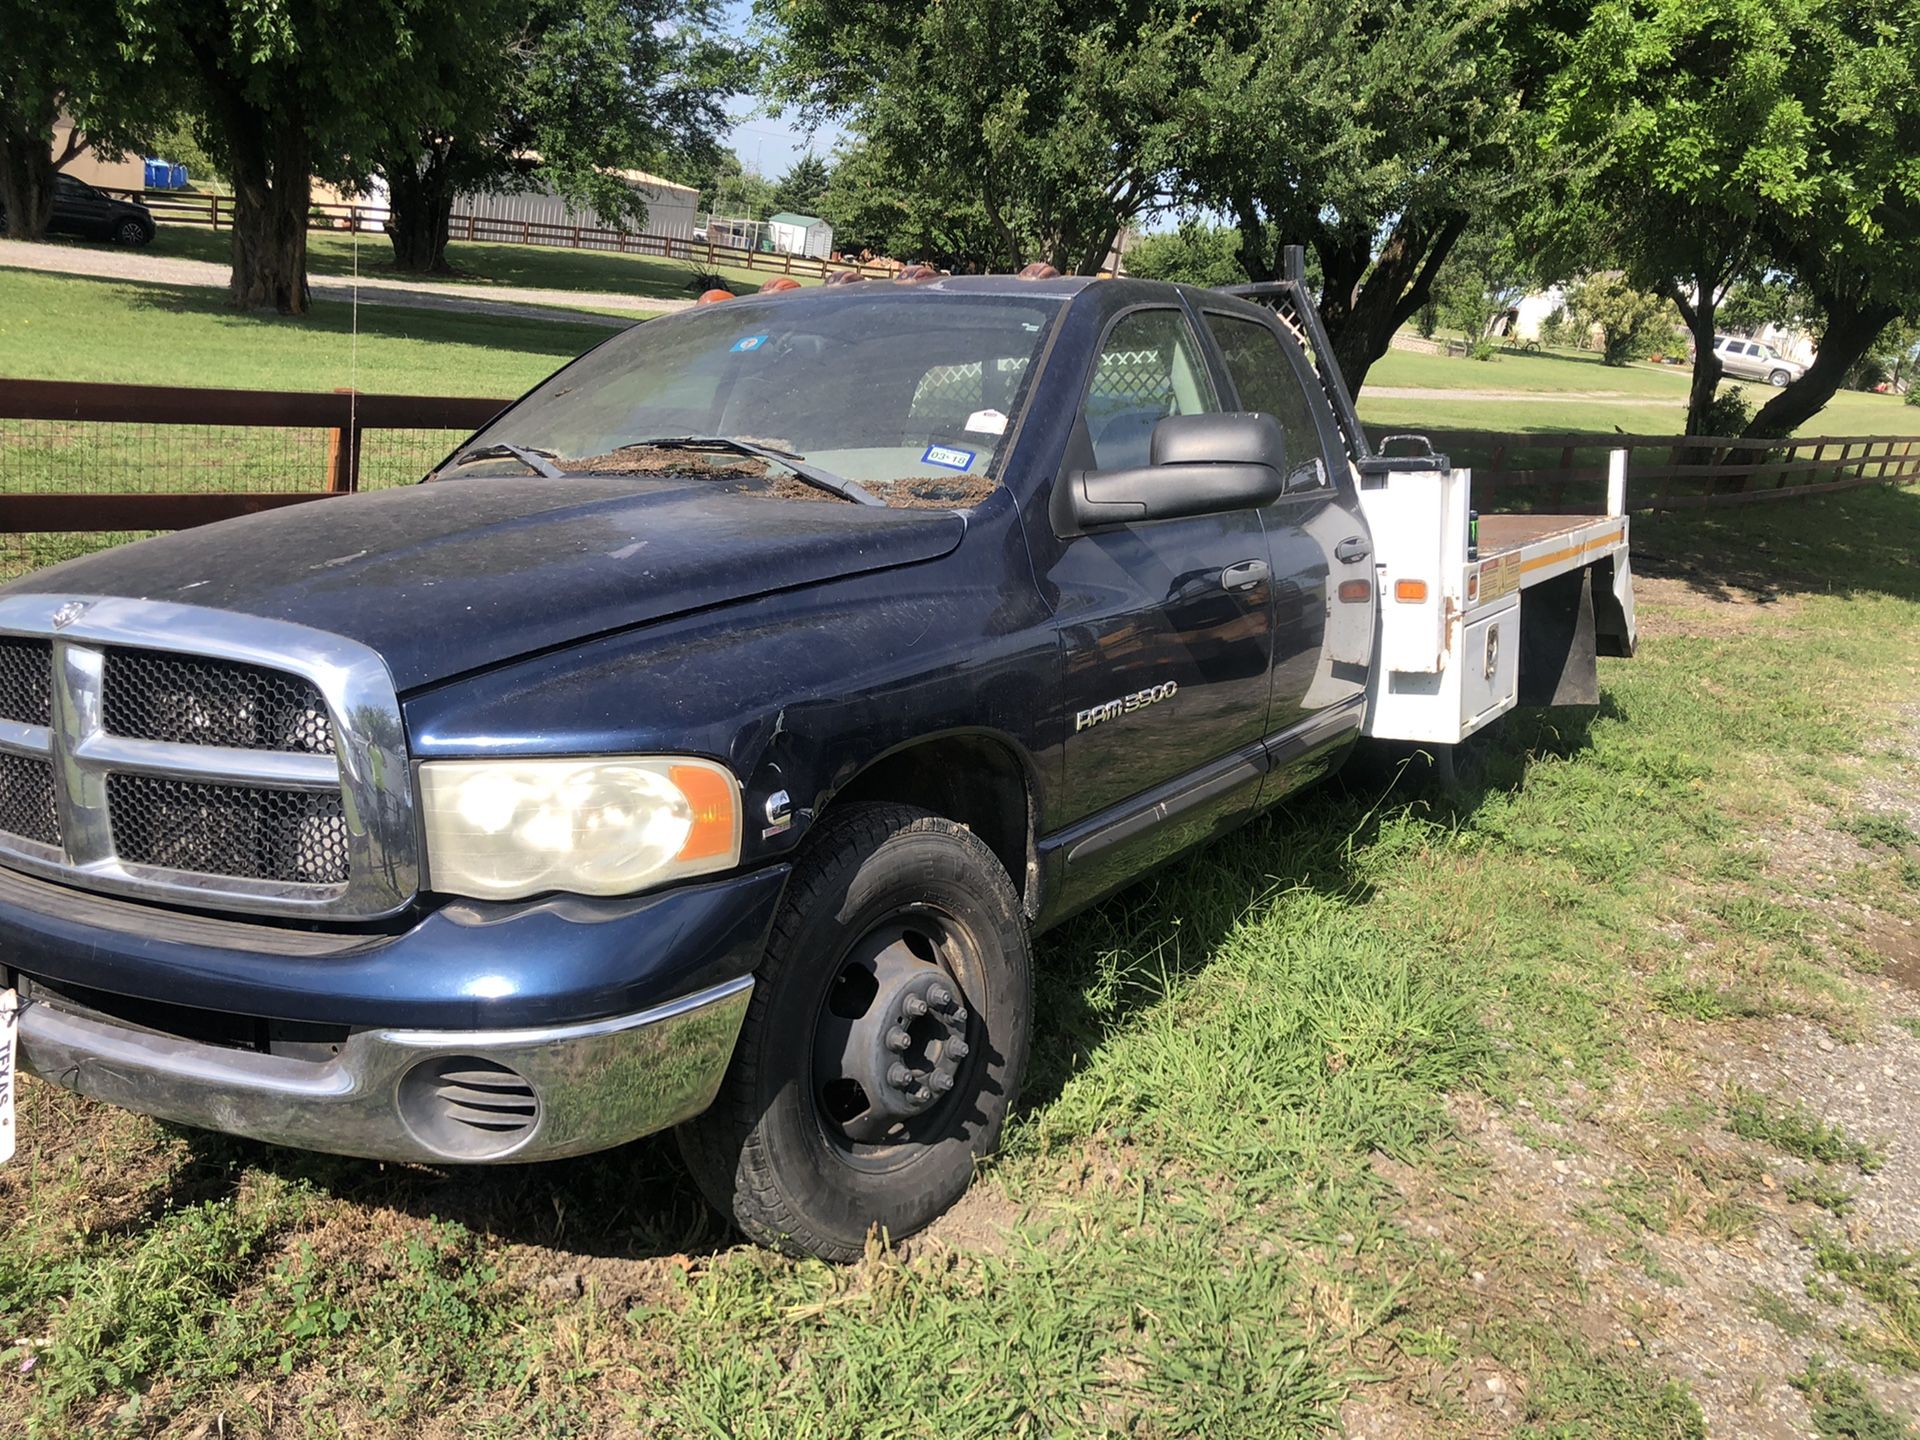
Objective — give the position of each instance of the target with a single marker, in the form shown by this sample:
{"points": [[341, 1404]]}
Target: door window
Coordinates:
{"points": [[1148, 368], [1264, 378]]}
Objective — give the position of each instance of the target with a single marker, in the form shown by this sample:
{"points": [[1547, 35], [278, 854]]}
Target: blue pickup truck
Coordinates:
{"points": [[702, 743]]}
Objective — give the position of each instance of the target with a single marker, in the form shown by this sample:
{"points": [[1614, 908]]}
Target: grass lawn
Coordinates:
{"points": [[544, 267], [1651, 400], [65, 327], [1277, 1171]]}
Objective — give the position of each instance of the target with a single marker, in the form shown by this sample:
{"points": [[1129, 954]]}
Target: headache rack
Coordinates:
{"points": [[1450, 651]]}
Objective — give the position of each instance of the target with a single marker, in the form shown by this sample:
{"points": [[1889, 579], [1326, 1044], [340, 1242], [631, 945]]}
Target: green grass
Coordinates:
{"points": [[1652, 400], [1890, 1281], [64, 327], [1842, 1407], [1794, 1130], [1202, 1221], [540, 267]]}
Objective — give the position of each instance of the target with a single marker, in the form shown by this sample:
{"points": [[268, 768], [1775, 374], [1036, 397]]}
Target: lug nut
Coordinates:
{"points": [[939, 996], [899, 1076], [898, 1040], [914, 1006], [940, 1081], [959, 1015], [955, 1050]]}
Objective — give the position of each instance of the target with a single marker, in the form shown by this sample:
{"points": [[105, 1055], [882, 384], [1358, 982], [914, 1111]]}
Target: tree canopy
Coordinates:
{"points": [[1053, 119], [1744, 145]]}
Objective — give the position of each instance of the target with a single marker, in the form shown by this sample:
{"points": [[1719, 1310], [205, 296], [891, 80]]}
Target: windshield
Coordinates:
{"points": [[910, 395]]}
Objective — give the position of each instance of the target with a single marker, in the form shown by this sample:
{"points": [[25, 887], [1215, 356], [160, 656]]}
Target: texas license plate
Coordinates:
{"points": [[9, 1037]]}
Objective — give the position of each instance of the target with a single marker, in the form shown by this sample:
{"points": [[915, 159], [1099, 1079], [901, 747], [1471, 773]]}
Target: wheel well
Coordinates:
{"points": [[975, 781]]}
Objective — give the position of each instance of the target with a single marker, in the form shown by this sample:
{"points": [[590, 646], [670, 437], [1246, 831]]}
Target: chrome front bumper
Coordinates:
{"points": [[439, 1096]]}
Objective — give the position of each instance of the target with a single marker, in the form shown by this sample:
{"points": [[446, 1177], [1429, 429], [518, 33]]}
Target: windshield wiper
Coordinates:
{"points": [[538, 461], [811, 474]]}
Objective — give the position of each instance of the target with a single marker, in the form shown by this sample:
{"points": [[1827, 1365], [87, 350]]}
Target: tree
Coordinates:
{"points": [[523, 93], [1482, 279], [69, 56], [1054, 117], [1631, 320], [801, 188], [1370, 133], [284, 92], [1736, 144], [1195, 254], [872, 205]]}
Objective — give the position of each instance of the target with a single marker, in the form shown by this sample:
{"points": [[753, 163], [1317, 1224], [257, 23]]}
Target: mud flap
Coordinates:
{"points": [[1557, 664]]}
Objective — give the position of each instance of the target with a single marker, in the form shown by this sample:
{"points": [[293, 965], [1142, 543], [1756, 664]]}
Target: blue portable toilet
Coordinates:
{"points": [[158, 173], [178, 179]]}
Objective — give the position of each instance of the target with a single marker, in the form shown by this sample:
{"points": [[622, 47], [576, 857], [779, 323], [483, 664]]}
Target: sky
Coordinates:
{"points": [[769, 143]]}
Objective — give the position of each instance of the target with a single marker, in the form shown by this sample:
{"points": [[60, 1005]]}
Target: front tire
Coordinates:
{"points": [[1778, 379], [131, 233], [885, 1042]]}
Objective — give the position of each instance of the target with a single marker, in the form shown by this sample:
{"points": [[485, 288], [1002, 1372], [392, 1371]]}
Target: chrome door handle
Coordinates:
{"points": [[1244, 576], [1352, 550]]}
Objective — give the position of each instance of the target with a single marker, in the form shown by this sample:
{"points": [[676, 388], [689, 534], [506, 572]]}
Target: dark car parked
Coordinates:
{"points": [[79, 209]]}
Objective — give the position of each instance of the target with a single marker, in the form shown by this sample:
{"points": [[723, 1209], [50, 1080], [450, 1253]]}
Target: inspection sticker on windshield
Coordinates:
{"points": [[948, 458], [748, 342], [9, 1033], [987, 422]]}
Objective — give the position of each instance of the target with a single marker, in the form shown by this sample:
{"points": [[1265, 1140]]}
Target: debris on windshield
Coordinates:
{"points": [[935, 492]]}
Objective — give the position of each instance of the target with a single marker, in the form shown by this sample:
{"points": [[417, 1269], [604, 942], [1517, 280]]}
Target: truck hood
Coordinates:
{"points": [[457, 575]]}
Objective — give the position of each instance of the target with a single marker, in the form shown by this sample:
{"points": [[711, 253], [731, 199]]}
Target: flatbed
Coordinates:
{"points": [[1473, 614]]}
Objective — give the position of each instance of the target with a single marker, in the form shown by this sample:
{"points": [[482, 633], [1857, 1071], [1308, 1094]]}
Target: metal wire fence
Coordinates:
{"points": [[83, 467]]}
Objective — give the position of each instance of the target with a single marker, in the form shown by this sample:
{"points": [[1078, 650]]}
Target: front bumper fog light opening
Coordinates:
{"points": [[468, 1108]]}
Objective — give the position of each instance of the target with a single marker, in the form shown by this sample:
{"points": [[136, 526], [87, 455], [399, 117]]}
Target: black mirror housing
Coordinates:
{"points": [[1198, 465]]}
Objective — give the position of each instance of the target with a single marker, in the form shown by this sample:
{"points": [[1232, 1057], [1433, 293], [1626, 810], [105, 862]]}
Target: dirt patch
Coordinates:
{"points": [[1669, 605]]}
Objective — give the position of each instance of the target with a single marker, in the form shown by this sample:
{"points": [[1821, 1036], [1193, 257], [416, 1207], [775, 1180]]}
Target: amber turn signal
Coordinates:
{"points": [[1410, 592], [1355, 592]]}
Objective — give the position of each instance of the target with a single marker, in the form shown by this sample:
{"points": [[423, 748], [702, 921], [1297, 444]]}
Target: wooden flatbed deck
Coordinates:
{"points": [[1521, 550]]}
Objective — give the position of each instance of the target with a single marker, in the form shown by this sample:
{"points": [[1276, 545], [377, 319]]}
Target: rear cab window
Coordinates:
{"points": [[1266, 378]]}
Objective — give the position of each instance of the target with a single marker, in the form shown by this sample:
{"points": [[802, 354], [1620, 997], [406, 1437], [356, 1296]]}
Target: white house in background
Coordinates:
{"points": [[670, 207], [1532, 311], [793, 234]]}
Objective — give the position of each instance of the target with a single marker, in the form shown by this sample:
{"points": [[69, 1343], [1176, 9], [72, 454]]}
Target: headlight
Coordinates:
{"points": [[500, 829]]}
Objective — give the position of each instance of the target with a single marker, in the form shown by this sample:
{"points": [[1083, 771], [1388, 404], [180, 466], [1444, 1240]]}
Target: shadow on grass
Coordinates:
{"points": [[1095, 976], [1858, 542]]}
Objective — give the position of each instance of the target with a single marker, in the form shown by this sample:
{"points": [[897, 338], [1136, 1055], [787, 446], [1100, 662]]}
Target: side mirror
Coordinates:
{"points": [[1197, 465]]}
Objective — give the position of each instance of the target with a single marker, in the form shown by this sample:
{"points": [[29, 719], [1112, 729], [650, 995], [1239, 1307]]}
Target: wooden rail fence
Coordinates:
{"points": [[178, 207], [1669, 472], [343, 416], [1664, 472]]}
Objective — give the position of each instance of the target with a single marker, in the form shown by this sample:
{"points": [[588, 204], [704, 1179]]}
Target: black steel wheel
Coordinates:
{"points": [[884, 1044]]}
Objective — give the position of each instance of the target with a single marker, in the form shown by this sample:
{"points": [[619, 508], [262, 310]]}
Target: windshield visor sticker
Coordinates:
{"points": [[987, 422], [948, 457], [746, 343]]}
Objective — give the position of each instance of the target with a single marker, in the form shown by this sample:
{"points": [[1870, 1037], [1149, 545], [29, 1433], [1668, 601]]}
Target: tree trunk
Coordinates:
{"points": [[26, 171], [420, 193], [1699, 315], [270, 162], [1852, 327], [1361, 312]]}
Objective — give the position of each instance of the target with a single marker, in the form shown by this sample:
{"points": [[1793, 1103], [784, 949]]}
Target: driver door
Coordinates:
{"points": [[1166, 629]]}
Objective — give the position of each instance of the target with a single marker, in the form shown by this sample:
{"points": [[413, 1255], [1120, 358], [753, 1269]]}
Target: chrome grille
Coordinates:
{"points": [[26, 799], [179, 753], [187, 700], [26, 681], [295, 836]]}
